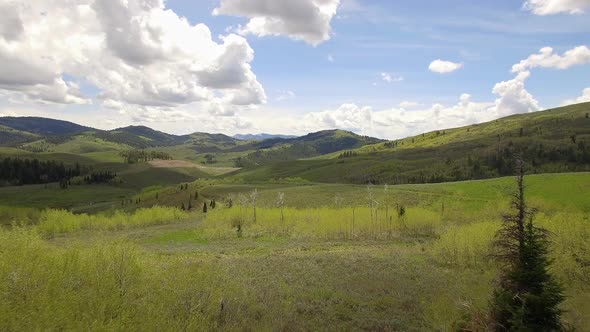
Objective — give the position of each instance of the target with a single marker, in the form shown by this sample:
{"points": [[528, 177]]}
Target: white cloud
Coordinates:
{"points": [[307, 20], [137, 53], [444, 67], [400, 122], [513, 96], [387, 77], [347, 116], [552, 7], [585, 97], [389, 123], [546, 58]]}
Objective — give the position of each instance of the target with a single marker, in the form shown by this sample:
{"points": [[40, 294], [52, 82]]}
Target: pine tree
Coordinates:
{"points": [[190, 205], [526, 297], [204, 207], [182, 207]]}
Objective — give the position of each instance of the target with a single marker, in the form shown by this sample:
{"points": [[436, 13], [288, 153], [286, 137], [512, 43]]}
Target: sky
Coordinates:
{"points": [[388, 69]]}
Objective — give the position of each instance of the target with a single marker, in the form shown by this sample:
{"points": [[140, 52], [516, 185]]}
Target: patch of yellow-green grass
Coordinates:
{"points": [[54, 222], [77, 198], [110, 156], [81, 144]]}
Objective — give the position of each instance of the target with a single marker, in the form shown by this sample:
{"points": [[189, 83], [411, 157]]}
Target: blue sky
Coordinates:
{"points": [[403, 37], [337, 81]]}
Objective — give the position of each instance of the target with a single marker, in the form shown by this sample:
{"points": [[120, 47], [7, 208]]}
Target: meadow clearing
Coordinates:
{"points": [[285, 256]]}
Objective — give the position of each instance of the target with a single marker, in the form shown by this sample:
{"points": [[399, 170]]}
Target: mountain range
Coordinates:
{"points": [[555, 140]]}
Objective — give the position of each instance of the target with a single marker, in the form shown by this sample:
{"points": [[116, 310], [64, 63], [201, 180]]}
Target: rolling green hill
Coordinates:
{"points": [[314, 144], [41, 135], [12, 137], [552, 141], [556, 140]]}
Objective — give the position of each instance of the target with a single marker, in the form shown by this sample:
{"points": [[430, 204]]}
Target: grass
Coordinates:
{"points": [[55, 222], [162, 269], [321, 287], [549, 191], [76, 198]]}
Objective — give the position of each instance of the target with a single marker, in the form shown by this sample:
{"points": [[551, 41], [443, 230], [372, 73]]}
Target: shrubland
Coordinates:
{"points": [[350, 261], [53, 222]]}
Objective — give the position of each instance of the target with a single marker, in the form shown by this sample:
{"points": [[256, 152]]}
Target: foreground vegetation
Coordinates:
{"points": [[268, 262]]}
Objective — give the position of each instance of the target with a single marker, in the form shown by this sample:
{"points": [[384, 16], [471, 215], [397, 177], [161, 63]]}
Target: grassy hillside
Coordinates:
{"points": [[46, 135], [314, 144], [556, 140], [12, 137]]}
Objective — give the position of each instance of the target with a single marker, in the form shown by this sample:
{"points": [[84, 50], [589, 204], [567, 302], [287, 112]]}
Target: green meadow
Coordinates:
{"points": [[319, 257]]}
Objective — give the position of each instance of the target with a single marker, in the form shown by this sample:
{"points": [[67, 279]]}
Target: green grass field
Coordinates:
{"points": [[315, 264]]}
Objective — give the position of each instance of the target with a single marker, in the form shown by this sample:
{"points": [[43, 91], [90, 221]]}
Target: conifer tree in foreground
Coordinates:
{"points": [[526, 297], [204, 207]]}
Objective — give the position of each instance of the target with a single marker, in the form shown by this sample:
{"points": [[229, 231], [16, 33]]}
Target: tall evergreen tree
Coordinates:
{"points": [[204, 207], [526, 297]]}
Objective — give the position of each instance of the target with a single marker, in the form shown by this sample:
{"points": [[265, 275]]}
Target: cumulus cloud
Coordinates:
{"points": [[513, 96], [395, 122], [585, 97], [546, 58], [444, 67], [552, 7], [11, 26], [137, 53], [307, 20], [347, 116]]}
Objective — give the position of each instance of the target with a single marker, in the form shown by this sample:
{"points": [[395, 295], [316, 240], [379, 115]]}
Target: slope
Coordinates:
{"points": [[556, 140], [314, 144]]}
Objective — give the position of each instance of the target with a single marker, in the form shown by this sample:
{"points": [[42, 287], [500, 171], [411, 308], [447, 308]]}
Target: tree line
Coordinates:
{"points": [[99, 177], [17, 171], [135, 156]]}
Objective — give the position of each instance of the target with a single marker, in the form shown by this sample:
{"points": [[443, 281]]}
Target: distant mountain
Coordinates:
{"points": [[40, 134], [48, 135], [260, 137], [42, 126], [140, 137]]}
